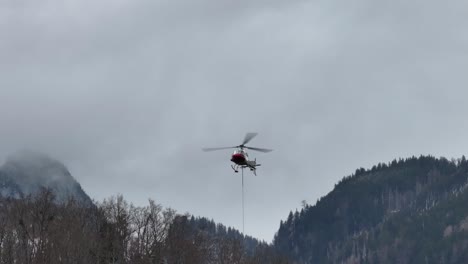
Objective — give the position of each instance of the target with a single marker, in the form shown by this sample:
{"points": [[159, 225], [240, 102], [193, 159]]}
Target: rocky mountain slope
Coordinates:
{"points": [[26, 173]]}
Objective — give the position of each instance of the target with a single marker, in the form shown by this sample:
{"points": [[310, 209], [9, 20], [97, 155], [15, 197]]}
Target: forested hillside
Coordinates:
{"points": [[407, 211], [411, 210]]}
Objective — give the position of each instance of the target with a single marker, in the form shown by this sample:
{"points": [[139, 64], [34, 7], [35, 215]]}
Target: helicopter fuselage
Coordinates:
{"points": [[241, 159]]}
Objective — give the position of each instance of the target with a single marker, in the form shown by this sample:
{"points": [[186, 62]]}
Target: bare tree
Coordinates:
{"points": [[38, 230], [117, 213], [151, 224], [74, 234]]}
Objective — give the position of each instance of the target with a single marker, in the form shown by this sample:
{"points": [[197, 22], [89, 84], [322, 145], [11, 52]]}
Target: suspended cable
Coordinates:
{"points": [[243, 219]]}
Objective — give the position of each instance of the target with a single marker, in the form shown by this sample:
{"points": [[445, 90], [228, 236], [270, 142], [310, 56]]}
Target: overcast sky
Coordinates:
{"points": [[127, 92]]}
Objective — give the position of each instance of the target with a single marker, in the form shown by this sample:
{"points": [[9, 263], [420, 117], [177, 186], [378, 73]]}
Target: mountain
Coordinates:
{"points": [[407, 211], [43, 229], [26, 173]]}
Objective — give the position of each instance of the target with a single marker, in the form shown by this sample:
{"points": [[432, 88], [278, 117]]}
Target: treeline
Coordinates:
{"points": [[37, 230]]}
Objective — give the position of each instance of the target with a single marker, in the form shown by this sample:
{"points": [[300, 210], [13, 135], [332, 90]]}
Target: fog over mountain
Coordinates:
{"points": [[26, 173]]}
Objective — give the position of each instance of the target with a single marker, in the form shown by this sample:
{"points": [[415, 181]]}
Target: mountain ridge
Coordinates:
{"points": [[369, 216]]}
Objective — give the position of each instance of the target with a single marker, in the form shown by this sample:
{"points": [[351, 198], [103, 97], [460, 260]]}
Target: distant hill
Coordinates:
{"points": [[25, 173], [411, 210]]}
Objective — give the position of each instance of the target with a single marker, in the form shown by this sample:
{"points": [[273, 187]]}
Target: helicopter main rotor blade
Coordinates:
{"points": [[259, 149], [213, 149], [248, 137]]}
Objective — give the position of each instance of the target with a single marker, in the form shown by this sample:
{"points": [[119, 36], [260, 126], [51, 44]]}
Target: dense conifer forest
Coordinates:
{"points": [[410, 210]]}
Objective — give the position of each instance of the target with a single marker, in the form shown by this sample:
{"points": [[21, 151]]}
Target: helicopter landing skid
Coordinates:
{"points": [[235, 168]]}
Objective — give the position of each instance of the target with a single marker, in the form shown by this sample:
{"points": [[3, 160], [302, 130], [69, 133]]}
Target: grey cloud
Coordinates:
{"points": [[127, 92]]}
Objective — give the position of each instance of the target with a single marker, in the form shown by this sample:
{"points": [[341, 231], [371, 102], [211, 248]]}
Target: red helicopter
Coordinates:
{"points": [[240, 156]]}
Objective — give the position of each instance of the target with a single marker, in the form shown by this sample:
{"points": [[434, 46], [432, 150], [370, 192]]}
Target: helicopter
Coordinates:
{"points": [[240, 158]]}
